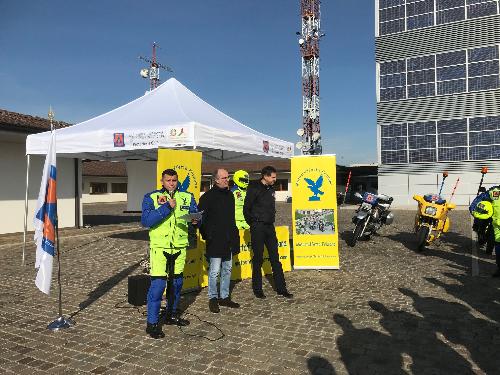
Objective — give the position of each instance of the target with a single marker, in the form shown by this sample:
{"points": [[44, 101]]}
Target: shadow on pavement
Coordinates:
{"points": [[141, 235], [94, 220], [319, 365], [105, 286], [436, 341]]}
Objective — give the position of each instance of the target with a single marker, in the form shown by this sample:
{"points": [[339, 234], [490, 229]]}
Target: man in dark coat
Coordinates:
{"points": [[222, 238], [259, 210]]}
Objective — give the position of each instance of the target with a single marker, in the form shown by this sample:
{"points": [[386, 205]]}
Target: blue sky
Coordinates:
{"points": [[241, 56]]}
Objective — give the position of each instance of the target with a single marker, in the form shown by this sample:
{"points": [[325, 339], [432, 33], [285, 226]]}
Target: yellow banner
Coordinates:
{"points": [[314, 212], [187, 164], [242, 263]]}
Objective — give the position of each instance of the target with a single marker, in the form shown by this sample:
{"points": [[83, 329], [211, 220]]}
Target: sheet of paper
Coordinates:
{"points": [[192, 216]]}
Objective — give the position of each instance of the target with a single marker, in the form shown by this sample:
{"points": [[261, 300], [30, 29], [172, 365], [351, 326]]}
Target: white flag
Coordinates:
{"points": [[46, 219]]}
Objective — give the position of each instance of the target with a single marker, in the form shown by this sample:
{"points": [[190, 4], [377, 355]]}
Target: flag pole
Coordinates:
{"points": [[61, 322]]}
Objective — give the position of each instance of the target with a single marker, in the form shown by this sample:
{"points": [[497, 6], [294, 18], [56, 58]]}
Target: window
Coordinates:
{"points": [[98, 188], [281, 185], [394, 157], [391, 16], [118, 187], [453, 154], [396, 130], [481, 8], [444, 140], [393, 80], [484, 123], [483, 68], [423, 155], [485, 152], [419, 13], [394, 15]]}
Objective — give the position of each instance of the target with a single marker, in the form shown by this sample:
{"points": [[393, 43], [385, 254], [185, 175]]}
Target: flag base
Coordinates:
{"points": [[60, 323]]}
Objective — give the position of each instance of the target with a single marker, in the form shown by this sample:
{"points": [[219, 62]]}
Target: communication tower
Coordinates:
{"points": [[153, 72], [310, 35]]}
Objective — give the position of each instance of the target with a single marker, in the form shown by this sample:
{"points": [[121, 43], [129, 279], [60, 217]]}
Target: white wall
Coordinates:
{"points": [[141, 180], [402, 187], [102, 198], [12, 189]]}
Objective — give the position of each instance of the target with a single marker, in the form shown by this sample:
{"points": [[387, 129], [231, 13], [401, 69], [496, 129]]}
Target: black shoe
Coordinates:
{"points": [[176, 320], [154, 330], [213, 305], [259, 294], [228, 303], [497, 273], [285, 293]]}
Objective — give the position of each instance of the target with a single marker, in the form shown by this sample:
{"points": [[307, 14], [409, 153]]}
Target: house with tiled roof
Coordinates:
{"points": [[104, 181], [14, 128]]}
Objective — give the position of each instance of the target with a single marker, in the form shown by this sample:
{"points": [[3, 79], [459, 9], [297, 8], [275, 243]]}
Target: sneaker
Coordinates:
{"points": [[285, 293], [213, 305], [228, 303], [154, 330], [259, 294]]}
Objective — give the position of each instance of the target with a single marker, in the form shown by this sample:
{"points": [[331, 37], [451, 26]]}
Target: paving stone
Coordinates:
{"points": [[388, 310]]}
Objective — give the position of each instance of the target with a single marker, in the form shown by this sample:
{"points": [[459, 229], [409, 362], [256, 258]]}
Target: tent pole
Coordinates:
{"points": [[26, 207], [77, 193]]}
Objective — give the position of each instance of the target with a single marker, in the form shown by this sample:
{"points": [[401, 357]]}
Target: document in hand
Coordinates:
{"points": [[192, 216]]}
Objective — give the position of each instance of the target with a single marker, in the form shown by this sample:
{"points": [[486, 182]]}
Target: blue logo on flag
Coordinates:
{"points": [[48, 214], [184, 186], [315, 188]]}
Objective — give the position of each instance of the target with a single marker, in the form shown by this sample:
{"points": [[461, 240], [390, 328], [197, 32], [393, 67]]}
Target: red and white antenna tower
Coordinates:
{"points": [[153, 73], [309, 48]]}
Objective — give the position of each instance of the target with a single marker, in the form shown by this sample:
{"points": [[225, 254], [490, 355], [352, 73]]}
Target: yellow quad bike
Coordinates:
{"points": [[432, 218]]}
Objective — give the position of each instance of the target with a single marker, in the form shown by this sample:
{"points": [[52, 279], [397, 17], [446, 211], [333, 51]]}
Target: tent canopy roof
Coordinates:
{"points": [[171, 116]]}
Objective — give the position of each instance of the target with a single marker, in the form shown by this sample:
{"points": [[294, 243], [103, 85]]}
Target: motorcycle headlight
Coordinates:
{"points": [[431, 211]]}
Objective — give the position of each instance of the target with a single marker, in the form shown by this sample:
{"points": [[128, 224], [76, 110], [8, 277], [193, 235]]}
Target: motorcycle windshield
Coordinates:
{"points": [[370, 198]]}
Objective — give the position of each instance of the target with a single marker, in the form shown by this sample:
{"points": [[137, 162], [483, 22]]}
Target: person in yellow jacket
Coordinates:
{"points": [[485, 206], [163, 212], [239, 190]]}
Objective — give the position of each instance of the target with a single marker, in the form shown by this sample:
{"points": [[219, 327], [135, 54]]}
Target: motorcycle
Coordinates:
{"points": [[432, 220], [372, 213]]}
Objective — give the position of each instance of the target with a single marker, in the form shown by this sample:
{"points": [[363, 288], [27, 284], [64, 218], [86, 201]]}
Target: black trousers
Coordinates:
{"points": [[265, 234]]}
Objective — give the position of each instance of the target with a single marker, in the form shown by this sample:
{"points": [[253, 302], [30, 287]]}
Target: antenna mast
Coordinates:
{"points": [[309, 48], [153, 73]]}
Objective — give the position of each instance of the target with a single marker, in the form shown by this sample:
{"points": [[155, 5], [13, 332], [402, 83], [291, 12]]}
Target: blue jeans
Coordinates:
{"points": [[217, 265]]}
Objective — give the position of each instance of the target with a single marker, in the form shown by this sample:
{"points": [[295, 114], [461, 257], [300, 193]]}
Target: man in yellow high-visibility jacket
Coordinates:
{"points": [[162, 213]]}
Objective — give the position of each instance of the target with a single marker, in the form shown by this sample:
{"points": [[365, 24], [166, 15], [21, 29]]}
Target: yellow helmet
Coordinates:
{"points": [[241, 179], [483, 210]]}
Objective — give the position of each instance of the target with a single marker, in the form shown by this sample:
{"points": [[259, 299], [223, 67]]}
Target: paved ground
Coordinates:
{"points": [[389, 310]]}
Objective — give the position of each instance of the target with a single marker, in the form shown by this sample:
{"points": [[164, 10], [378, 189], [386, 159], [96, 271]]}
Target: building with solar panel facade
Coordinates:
{"points": [[438, 96]]}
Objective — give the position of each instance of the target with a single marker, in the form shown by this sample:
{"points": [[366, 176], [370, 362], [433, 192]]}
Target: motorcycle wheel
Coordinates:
{"points": [[422, 234], [357, 233]]}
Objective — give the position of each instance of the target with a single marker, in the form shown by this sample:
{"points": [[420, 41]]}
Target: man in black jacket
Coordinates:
{"points": [[259, 211], [222, 238]]}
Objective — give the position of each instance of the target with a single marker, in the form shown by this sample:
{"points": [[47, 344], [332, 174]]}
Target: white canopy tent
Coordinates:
{"points": [[170, 116]]}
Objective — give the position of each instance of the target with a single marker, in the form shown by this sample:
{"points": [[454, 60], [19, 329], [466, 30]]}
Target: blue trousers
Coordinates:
{"points": [[155, 295], [222, 267]]}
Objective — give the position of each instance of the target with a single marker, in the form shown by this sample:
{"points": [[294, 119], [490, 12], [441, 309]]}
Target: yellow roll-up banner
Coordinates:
{"points": [[187, 164], [242, 263], [314, 212]]}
